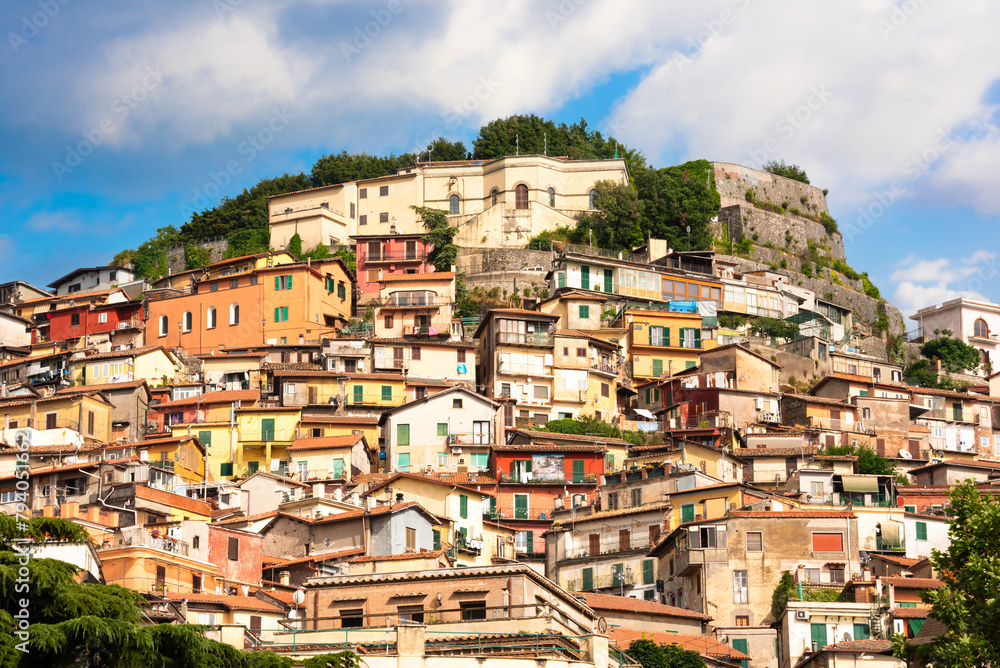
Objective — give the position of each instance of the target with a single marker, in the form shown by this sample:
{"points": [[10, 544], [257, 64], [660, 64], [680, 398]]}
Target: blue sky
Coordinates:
{"points": [[128, 114]]}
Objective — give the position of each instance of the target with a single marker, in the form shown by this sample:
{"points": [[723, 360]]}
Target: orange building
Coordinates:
{"points": [[280, 304]]}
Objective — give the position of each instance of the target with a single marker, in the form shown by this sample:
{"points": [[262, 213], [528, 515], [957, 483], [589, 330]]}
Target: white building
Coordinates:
{"points": [[975, 322], [89, 279]]}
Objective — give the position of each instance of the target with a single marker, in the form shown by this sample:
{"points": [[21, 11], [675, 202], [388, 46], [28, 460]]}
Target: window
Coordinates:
{"points": [[473, 610], [74, 320], [740, 589], [837, 573], [742, 620], [234, 549], [411, 538], [187, 321], [521, 196], [90, 422], [605, 390], [283, 282], [442, 429], [280, 313], [403, 459], [363, 219], [456, 403], [648, 572], [818, 635], [687, 512], [362, 193], [383, 191], [552, 197], [581, 352], [102, 318], [463, 506], [453, 205], [584, 311], [383, 217], [921, 530], [234, 283], [981, 329], [411, 613], [657, 368], [352, 618], [862, 631], [402, 434], [828, 542], [387, 393], [290, 388], [253, 280], [866, 413], [203, 618], [494, 197], [234, 314], [593, 199], [210, 318], [50, 420], [755, 541], [388, 322]]}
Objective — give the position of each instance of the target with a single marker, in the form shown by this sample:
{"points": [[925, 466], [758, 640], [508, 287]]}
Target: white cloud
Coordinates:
{"points": [[921, 283]]}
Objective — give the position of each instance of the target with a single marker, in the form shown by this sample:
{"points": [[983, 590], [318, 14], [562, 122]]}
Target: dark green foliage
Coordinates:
{"points": [[440, 235], [343, 167], [74, 624], [295, 246], [732, 320], [588, 425], [195, 256], [956, 356], [349, 257], [793, 172], [615, 225], [828, 222], [969, 602], [543, 241], [869, 461], [781, 595], [345, 659], [150, 259], [441, 149], [674, 198], [743, 247], [845, 269], [651, 655], [920, 373], [774, 328], [528, 135], [807, 268], [869, 287], [248, 242]]}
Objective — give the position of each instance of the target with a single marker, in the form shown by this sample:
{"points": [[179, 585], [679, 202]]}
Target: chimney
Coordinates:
{"points": [[338, 494], [48, 511], [285, 578], [70, 510], [319, 489], [94, 514]]}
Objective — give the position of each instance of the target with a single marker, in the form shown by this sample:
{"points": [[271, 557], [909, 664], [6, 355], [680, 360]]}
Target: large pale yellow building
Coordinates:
{"points": [[501, 202]]}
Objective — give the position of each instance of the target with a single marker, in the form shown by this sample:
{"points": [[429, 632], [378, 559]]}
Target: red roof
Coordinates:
{"points": [[914, 583], [900, 561], [220, 397], [792, 513], [231, 602], [910, 613], [426, 554], [325, 442], [704, 645], [629, 604]]}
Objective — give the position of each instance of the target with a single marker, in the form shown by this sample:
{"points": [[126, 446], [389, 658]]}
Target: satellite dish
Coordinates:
{"points": [[905, 454], [298, 596], [602, 625], [847, 637]]}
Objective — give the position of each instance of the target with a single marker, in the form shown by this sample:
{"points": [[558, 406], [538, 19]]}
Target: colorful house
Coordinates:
{"points": [[381, 255], [331, 457]]}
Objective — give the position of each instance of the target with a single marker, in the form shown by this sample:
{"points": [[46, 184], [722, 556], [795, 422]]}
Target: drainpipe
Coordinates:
{"points": [[100, 489]]}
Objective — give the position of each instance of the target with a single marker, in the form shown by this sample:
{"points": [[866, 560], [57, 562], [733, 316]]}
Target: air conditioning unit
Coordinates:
{"points": [[801, 614], [456, 451]]}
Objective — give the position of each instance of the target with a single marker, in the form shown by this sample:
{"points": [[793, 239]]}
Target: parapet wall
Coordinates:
{"points": [[733, 181]]}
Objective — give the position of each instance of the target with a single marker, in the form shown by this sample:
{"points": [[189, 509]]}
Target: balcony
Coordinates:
{"points": [[530, 478], [49, 376], [259, 435], [952, 415], [707, 420], [418, 255], [369, 399], [412, 301], [769, 417], [606, 367], [683, 344], [688, 561], [132, 323], [539, 339], [614, 546], [138, 537], [603, 582], [524, 369], [469, 438], [518, 513], [423, 330]]}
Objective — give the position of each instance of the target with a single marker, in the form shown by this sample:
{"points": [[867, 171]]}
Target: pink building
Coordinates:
{"points": [[387, 255]]}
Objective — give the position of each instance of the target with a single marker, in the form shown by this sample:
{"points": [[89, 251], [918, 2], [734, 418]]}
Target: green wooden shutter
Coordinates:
{"points": [[687, 512], [226, 470], [463, 506], [608, 281], [277, 282], [206, 438], [561, 279], [253, 467], [402, 434], [649, 332], [387, 393], [584, 311], [437, 539], [609, 463], [359, 394], [442, 428], [403, 461], [648, 576], [741, 645], [521, 506], [921, 530], [493, 507], [529, 537], [818, 635], [697, 338], [578, 473], [588, 579], [862, 632], [338, 468], [289, 281], [277, 314], [585, 277], [916, 625], [657, 368], [666, 336], [267, 429]]}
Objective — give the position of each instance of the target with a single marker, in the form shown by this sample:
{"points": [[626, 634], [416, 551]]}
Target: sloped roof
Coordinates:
{"points": [[128, 352], [220, 397], [914, 583], [325, 442], [629, 604], [230, 602], [704, 645]]}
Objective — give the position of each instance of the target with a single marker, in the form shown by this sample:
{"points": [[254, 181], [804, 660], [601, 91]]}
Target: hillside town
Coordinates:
{"points": [[311, 455]]}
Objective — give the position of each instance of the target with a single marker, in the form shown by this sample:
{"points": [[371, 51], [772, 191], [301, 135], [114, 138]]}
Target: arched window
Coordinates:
{"points": [[552, 197], [188, 321], [164, 322], [521, 196], [981, 329], [234, 314], [494, 197], [453, 205], [210, 318], [593, 199]]}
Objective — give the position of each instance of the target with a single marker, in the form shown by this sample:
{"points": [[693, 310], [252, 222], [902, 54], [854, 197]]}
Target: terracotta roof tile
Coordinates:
{"points": [[549, 447], [324, 442], [426, 554], [339, 419], [901, 561], [775, 452], [231, 602], [914, 583], [860, 646], [910, 613], [279, 562], [556, 436], [107, 387], [130, 352], [795, 514], [427, 276], [629, 604], [220, 397], [635, 510], [704, 645]]}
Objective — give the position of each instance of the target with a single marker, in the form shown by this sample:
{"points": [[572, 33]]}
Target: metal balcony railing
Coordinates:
{"points": [[395, 256], [708, 420], [525, 339], [771, 417], [833, 424], [139, 537], [555, 479], [611, 546], [602, 582]]}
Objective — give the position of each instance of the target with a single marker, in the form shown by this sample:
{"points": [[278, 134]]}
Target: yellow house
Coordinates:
{"points": [[232, 268], [662, 342], [451, 360], [460, 505], [264, 436], [297, 387], [88, 413], [365, 390], [154, 364], [711, 461], [220, 441], [585, 376], [232, 371], [331, 458], [704, 503], [184, 455]]}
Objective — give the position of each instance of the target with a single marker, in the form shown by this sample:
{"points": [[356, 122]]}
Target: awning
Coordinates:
{"points": [[891, 533], [860, 483], [644, 413]]}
